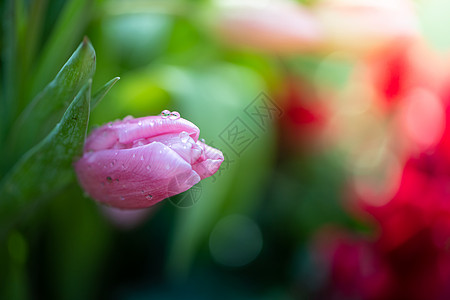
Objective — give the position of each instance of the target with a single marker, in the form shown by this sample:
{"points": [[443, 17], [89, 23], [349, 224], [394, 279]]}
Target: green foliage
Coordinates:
{"points": [[47, 167], [49, 105], [44, 155]]}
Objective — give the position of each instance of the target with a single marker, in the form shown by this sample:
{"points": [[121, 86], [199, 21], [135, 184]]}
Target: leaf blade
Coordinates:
{"points": [[49, 106], [47, 167], [102, 92]]}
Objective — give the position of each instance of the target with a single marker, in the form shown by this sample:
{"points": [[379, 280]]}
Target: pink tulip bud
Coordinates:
{"points": [[135, 163]]}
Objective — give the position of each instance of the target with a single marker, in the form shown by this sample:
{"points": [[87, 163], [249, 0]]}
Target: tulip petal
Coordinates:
{"points": [[209, 162], [135, 178], [122, 134]]}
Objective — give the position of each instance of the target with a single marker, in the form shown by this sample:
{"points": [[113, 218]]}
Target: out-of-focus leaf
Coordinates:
{"points": [[13, 256], [47, 108], [213, 99], [47, 167], [68, 29], [332, 71], [78, 252], [29, 46], [9, 60], [102, 92], [136, 39]]}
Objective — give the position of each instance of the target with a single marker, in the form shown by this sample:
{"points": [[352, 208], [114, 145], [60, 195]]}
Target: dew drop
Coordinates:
{"points": [[128, 118], [184, 136], [110, 124], [140, 123], [202, 140], [134, 155], [149, 197], [142, 157], [165, 113], [148, 167], [109, 179], [174, 115]]}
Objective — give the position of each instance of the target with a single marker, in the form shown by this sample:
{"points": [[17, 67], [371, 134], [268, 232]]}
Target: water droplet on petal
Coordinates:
{"points": [[165, 113], [174, 115], [109, 179], [184, 136], [134, 155], [202, 140], [142, 157], [110, 124], [149, 197], [140, 123], [128, 118], [148, 167]]}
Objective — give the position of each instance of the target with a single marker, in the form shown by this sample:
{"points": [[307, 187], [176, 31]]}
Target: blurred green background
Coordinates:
{"points": [[247, 233]]}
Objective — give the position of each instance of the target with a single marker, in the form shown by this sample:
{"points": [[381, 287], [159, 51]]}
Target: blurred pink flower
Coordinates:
{"points": [[305, 115], [355, 268], [135, 163], [280, 26], [360, 268], [410, 246], [126, 219], [366, 26]]}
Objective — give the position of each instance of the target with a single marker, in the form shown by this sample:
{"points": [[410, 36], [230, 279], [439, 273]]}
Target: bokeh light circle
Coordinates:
{"points": [[235, 241]]}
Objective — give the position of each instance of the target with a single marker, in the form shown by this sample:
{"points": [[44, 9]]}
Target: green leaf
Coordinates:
{"points": [[102, 92], [69, 27], [9, 41], [46, 109], [47, 167]]}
